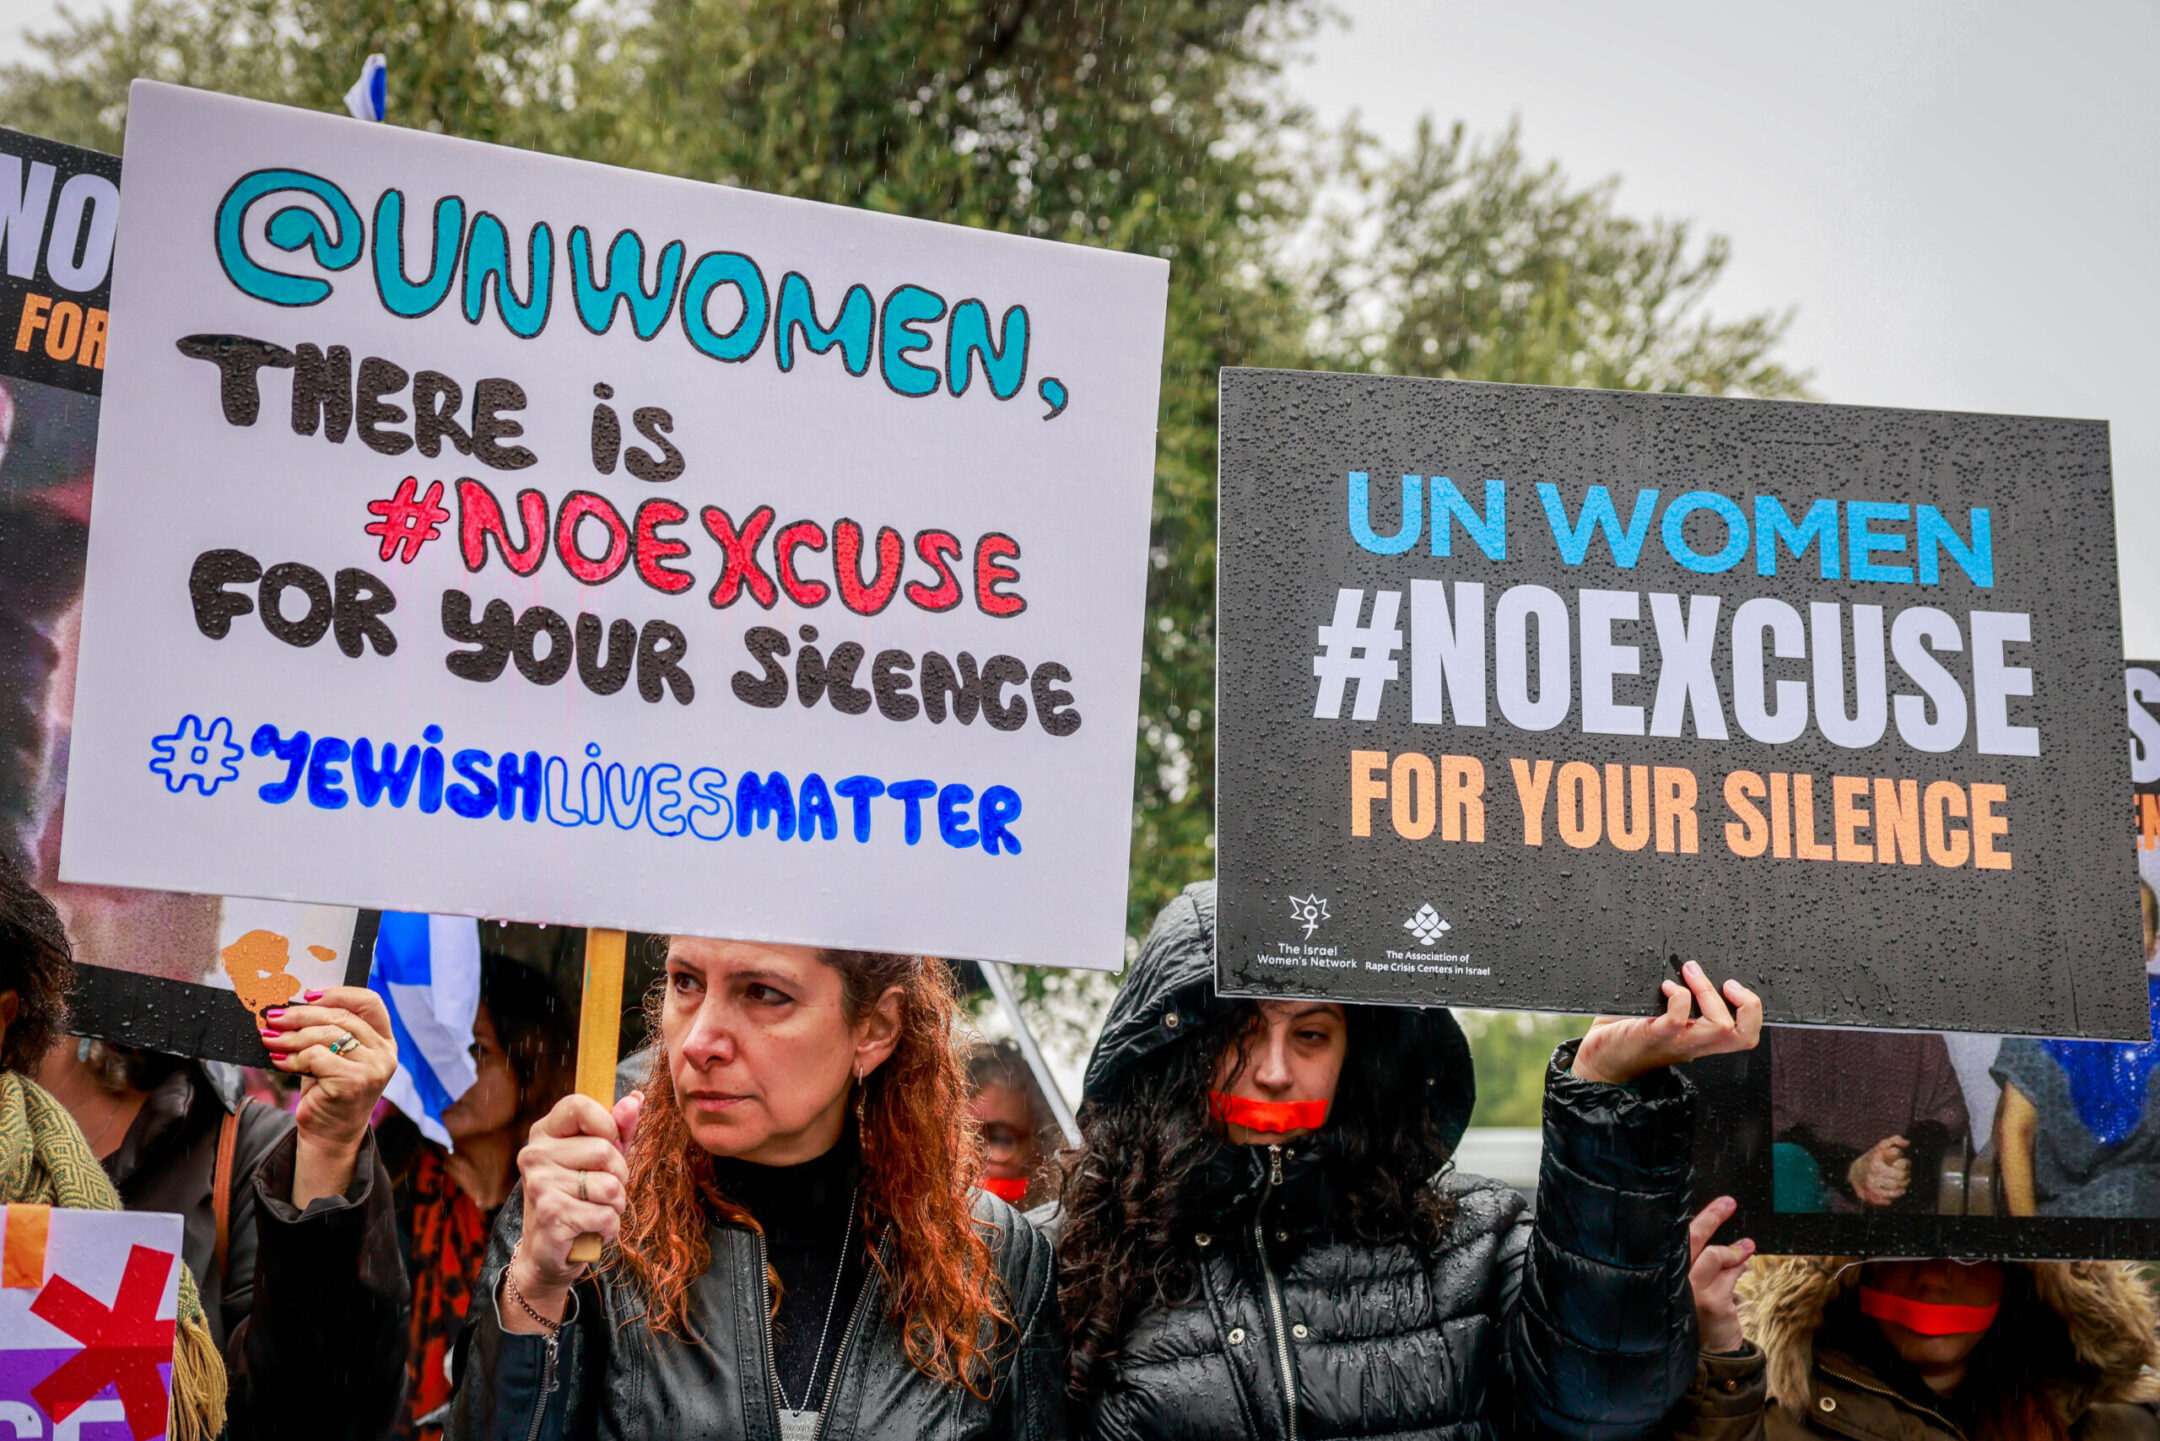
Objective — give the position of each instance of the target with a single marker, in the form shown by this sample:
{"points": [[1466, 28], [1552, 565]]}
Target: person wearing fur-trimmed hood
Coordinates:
{"points": [[1918, 1350]]}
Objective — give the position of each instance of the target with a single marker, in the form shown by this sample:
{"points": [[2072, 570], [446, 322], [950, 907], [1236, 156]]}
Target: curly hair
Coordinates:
{"points": [[1129, 1194], [920, 1161], [37, 964]]}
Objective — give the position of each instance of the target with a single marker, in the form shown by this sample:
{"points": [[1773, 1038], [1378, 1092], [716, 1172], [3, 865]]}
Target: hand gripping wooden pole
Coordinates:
{"points": [[599, 1034]]}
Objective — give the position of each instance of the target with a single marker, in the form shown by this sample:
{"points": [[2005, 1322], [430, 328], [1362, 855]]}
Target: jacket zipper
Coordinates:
{"points": [[547, 1387], [772, 1368], [772, 1371], [1274, 1295], [832, 1377]]}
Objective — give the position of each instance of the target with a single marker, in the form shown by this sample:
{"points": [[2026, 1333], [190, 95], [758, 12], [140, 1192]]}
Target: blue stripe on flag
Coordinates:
{"points": [[402, 953], [411, 1059], [403, 973]]}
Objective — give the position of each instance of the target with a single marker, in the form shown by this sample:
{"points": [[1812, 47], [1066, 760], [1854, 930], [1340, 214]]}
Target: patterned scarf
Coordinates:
{"points": [[44, 1161], [449, 1241]]}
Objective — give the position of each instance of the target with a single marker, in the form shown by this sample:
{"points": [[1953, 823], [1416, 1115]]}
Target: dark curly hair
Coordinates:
{"points": [[1129, 1191], [37, 964]]}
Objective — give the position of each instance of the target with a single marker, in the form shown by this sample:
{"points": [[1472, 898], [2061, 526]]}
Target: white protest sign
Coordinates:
{"points": [[482, 532], [88, 1305]]}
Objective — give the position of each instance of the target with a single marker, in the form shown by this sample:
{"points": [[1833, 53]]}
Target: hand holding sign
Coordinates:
{"points": [[1714, 1274], [1696, 1022], [341, 1047], [575, 1179]]}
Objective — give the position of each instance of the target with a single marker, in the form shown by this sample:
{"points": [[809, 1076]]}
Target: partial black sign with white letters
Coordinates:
{"points": [[59, 209]]}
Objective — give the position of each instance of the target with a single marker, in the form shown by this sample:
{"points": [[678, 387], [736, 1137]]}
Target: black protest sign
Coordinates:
{"points": [[59, 209], [1924, 1143], [1524, 692], [158, 969]]}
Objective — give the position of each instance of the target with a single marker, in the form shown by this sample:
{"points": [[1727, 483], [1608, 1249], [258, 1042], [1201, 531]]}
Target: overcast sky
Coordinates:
{"points": [[1960, 198]]}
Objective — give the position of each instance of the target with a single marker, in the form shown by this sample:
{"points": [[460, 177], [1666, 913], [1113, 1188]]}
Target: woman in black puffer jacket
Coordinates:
{"points": [[1255, 1238]]}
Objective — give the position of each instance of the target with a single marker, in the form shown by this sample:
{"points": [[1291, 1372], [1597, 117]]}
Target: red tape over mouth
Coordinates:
{"points": [[1275, 1117], [1929, 1318], [1009, 1189]]}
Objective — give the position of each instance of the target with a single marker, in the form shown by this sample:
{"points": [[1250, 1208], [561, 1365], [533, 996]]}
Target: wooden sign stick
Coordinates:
{"points": [[599, 1035]]}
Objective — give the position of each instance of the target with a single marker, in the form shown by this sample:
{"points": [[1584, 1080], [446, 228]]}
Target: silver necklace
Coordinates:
{"points": [[800, 1423]]}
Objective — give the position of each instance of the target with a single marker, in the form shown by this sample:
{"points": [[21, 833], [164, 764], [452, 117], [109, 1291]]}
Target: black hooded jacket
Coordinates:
{"points": [[1575, 1323]]}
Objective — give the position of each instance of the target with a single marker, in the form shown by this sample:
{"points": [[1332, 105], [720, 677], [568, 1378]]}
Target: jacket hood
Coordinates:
{"points": [[1169, 995], [2106, 1308]]}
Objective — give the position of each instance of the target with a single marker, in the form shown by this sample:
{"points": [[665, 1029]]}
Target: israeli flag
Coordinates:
{"points": [[427, 971], [370, 94]]}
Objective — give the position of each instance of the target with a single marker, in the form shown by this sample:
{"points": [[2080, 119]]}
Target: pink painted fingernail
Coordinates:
{"points": [[312, 996], [269, 1035], [274, 1012]]}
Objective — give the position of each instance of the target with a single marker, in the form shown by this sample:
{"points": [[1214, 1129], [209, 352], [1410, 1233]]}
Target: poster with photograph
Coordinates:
{"points": [[483, 532], [161, 967], [1527, 694], [1924, 1143]]}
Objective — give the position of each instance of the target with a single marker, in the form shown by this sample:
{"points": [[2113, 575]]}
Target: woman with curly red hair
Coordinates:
{"points": [[795, 1246]]}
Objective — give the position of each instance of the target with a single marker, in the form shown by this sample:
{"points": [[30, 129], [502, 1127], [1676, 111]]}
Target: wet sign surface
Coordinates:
{"points": [[484, 532], [1525, 692], [1917, 1143]]}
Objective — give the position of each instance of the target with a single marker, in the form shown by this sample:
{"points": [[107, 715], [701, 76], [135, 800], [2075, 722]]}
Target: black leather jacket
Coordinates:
{"points": [[1577, 1323], [609, 1376]]}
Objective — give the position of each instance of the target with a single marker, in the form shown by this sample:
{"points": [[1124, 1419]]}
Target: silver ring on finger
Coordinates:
{"points": [[581, 1187], [346, 1041]]}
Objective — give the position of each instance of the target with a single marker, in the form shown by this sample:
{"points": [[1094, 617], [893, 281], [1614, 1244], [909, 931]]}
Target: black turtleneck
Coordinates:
{"points": [[804, 1212]]}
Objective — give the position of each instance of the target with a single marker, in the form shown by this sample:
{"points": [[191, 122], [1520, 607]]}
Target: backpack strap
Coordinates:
{"points": [[221, 1188]]}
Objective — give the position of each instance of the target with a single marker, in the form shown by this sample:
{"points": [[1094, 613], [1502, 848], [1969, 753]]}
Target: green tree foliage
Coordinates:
{"points": [[499, 72], [1156, 126], [1509, 1050], [1141, 125], [1465, 260]]}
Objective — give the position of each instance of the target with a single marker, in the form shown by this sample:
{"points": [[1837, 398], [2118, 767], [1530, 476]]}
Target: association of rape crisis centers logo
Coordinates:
{"points": [[1426, 927]]}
